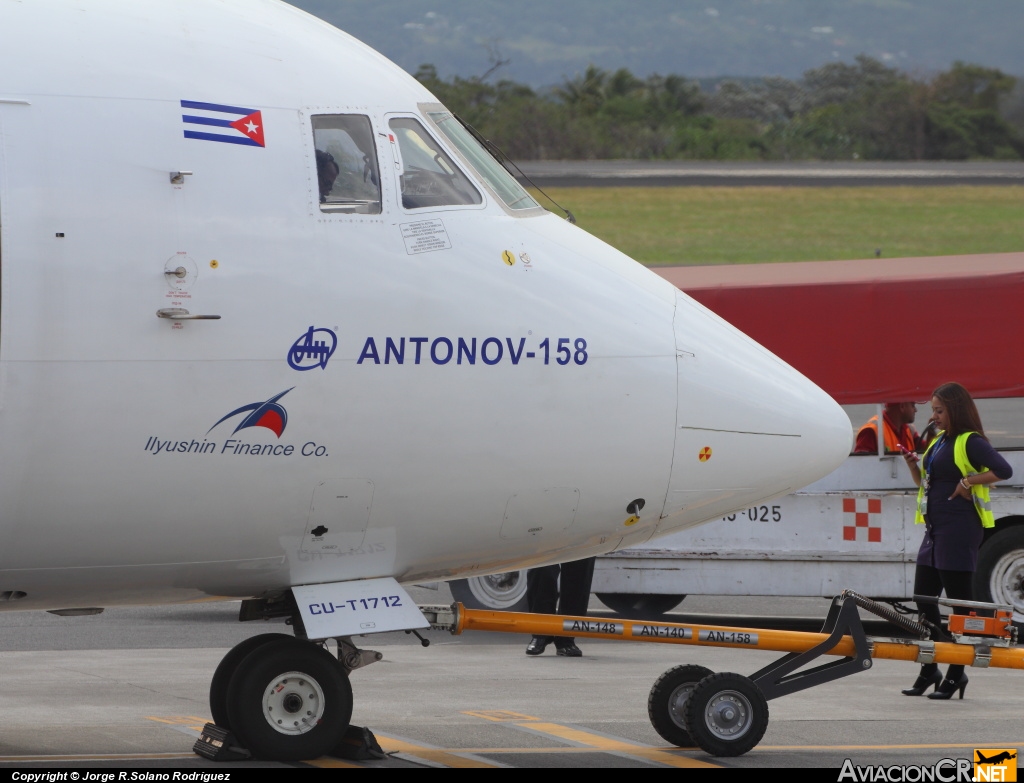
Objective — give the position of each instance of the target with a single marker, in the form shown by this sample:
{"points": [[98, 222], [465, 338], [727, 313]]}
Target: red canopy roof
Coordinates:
{"points": [[879, 330]]}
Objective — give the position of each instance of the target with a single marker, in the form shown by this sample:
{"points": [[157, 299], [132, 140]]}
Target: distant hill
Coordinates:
{"points": [[547, 42]]}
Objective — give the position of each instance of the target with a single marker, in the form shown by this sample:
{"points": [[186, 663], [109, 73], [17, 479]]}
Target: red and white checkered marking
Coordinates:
{"points": [[859, 511]]}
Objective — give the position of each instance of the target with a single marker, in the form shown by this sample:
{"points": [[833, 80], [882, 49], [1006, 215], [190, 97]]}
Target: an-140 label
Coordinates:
{"points": [[661, 632]]}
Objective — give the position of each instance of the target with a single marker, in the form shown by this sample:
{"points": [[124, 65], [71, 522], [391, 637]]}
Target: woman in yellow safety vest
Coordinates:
{"points": [[953, 504]]}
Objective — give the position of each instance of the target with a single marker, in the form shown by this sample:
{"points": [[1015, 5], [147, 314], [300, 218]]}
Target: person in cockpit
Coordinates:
{"points": [[327, 170]]}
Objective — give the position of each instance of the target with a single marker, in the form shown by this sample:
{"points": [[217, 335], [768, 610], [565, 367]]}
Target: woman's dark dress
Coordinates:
{"points": [[953, 530]]}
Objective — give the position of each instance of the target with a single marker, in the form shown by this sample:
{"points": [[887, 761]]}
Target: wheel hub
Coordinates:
{"points": [[499, 590], [677, 703], [1007, 582], [502, 582], [728, 715], [293, 703]]}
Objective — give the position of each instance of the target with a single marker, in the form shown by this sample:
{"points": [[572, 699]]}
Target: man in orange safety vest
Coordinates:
{"points": [[897, 429]]}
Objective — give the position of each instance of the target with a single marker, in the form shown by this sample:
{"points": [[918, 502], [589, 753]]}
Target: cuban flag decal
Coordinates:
{"points": [[235, 125]]}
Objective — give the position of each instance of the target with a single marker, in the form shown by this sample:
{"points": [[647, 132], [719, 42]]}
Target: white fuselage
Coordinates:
{"points": [[445, 434]]}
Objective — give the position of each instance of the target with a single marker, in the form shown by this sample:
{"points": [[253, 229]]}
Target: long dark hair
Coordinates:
{"points": [[963, 414]]}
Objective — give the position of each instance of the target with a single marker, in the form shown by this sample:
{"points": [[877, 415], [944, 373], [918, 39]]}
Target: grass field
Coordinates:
{"points": [[730, 225]]}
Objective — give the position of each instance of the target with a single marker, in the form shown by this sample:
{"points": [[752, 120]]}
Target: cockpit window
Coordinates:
{"points": [[492, 172], [429, 176], [346, 164]]}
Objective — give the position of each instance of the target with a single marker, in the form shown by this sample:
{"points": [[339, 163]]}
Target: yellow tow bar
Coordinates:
{"points": [[726, 714], [723, 636]]}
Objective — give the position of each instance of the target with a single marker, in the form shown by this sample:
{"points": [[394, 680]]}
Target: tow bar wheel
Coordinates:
{"points": [[666, 704], [726, 714], [289, 700]]}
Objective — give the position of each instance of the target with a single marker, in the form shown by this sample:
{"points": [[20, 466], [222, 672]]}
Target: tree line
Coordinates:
{"points": [[839, 111]]}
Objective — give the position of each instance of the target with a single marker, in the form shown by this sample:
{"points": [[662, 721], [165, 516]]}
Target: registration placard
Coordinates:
{"points": [[352, 608]]}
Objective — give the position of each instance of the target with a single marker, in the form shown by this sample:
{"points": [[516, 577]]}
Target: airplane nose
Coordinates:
{"points": [[748, 426]]}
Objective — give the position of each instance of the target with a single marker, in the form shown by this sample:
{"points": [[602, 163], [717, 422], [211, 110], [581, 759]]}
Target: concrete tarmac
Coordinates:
{"points": [[129, 689]]}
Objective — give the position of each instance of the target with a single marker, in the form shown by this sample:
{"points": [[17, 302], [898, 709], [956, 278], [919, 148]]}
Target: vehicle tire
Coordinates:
{"points": [[726, 714], [226, 670], [289, 700], [504, 592], [638, 606], [999, 577], [666, 704]]}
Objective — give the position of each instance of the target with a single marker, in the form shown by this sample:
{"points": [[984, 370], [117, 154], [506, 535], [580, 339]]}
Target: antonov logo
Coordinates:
{"points": [[314, 349]]}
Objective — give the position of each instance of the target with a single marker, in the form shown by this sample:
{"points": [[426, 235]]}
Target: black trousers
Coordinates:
{"points": [[933, 581], [560, 589]]}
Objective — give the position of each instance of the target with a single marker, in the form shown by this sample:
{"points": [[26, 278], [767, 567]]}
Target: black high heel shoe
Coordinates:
{"points": [[945, 689], [921, 684]]}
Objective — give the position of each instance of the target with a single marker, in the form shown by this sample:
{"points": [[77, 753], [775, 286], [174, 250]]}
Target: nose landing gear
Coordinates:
{"points": [[289, 700]]}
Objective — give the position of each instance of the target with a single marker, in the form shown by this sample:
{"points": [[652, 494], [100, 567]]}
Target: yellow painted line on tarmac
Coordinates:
{"points": [[608, 744], [452, 758], [590, 741], [99, 757], [188, 721], [332, 763], [499, 716], [937, 746], [562, 749]]}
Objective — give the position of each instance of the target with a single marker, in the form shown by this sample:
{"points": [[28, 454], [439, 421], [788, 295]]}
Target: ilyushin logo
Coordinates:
{"points": [[261, 414]]}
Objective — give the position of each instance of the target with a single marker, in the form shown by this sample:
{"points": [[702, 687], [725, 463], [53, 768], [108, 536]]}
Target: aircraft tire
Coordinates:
{"points": [[666, 704], [226, 670], [639, 606], [289, 700], [498, 592], [726, 714], [999, 577]]}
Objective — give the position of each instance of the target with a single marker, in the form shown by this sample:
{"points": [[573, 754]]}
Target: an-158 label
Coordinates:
{"points": [[727, 637]]}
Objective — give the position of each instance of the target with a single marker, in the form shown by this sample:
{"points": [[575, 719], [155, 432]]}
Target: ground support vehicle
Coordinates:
{"points": [[854, 527]]}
